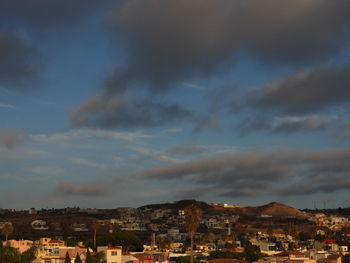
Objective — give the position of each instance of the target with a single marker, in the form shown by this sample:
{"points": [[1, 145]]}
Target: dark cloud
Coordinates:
{"points": [[126, 112], [252, 174], [20, 60], [306, 91], [12, 138], [84, 189], [285, 124], [24, 29], [187, 149], [168, 40], [45, 14]]}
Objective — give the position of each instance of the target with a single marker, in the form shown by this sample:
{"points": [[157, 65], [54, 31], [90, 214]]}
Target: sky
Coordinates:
{"points": [[128, 102]]}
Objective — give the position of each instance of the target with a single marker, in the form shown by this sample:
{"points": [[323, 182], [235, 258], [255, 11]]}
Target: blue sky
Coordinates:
{"points": [[125, 103]]}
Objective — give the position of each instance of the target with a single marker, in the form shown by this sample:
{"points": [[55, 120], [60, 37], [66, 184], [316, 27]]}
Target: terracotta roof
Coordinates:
{"points": [[227, 260]]}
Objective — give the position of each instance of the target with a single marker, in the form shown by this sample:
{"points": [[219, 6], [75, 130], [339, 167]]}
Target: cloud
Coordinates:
{"points": [[169, 43], [285, 125], [46, 14], [12, 138], [151, 154], [305, 91], [87, 134], [45, 170], [20, 60], [171, 39], [19, 155], [125, 112], [187, 149], [2, 105], [24, 29], [89, 163], [83, 189], [262, 173]]}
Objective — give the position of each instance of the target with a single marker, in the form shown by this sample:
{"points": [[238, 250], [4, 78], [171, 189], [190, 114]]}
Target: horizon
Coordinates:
{"points": [[130, 102], [171, 202]]}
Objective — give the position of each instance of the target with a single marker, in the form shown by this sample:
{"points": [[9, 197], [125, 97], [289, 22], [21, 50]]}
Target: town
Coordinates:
{"points": [[173, 233]]}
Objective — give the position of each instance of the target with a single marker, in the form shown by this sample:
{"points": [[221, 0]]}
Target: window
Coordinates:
{"points": [[114, 253]]}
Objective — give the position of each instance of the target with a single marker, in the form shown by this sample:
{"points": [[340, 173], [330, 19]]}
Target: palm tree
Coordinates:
{"points": [[7, 230], [192, 220], [95, 225]]}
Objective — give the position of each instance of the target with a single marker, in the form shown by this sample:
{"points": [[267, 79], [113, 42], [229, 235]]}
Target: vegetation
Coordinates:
{"points": [[96, 258], [186, 259], [7, 230], [77, 259], [252, 252], [129, 241], [11, 255], [67, 258], [192, 219], [225, 254]]}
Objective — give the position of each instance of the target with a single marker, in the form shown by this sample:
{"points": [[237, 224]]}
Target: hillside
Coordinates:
{"points": [[178, 205], [275, 209]]}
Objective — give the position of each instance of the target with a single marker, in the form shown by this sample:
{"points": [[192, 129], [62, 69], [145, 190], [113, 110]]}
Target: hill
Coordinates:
{"points": [[182, 204], [274, 209]]}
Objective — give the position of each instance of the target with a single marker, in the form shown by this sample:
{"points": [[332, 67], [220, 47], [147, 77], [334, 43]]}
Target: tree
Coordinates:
{"points": [[77, 259], [185, 259], [252, 252], [29, 255], [88, 257], [67, 259], [193, 215], [6, 231], [129, 241], [346, 231], [95, 225], [9, 255]]}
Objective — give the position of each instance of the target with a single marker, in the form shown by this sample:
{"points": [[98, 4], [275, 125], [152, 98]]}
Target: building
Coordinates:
{"points": [[111, 254]]}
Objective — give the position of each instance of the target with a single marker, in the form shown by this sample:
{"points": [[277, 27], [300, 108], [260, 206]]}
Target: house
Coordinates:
{"points": [[39, 225], [48, 242], [331, 259], [21, 245], [226, 260], [80, 227], [111, 254]]}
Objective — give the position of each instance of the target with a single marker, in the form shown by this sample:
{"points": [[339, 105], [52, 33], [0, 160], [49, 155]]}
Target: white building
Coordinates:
{"points": [[112, 254]]}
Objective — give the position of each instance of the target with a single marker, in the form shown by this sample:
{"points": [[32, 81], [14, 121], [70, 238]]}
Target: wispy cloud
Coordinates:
{"points": [[9, 106], [84, 134], [278, 172], [12, 138], [89, 163], [151, 154], [82, 188]]}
